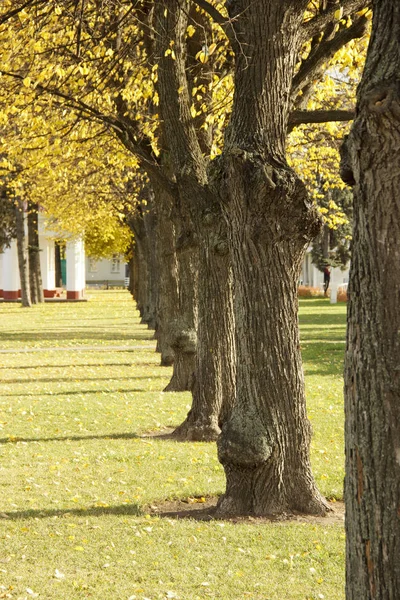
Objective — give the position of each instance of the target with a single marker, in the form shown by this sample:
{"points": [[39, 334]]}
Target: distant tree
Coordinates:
{"points": [[332, 245], [8, 230], [35, 273], [23, 258]]}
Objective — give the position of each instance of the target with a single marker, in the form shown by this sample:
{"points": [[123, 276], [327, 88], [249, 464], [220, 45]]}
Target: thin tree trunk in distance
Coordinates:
{"points": [[22, 254], [150, 224], [141, 271], [57, 259], [35, 275], [134, 273], [168, 296], [371, 162]]}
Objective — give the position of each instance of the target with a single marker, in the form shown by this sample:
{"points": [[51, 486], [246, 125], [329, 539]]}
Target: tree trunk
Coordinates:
{"points": [[264, 446], [150, 224], [214, 386], [143, 279], [57, 260], [371, 161], [214, 370], [134, 273], [144, 296], [35, 275], [22, 254], [182, 330], [168, 273]]}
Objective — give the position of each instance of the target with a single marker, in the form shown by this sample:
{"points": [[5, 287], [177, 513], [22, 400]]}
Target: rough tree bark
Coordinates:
{"points": [[22, 253], [35, 274], [144, 296], [214, 385], [264, 446], [167, 264], [371, 162], [150, 225], [183, 324], [177, 309]]}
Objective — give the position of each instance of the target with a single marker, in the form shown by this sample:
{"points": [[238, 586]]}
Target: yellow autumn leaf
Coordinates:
{"points": [[338, 13]]}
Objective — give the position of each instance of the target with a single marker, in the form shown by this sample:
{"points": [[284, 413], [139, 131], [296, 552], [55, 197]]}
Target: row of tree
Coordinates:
{"points": [[232, 218], [203, 95]]}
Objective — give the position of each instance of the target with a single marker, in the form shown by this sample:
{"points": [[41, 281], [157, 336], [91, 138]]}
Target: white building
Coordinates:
{"points": [[10, 286], [106, 271]]}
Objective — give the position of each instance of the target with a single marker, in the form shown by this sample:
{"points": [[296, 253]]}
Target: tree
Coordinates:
{"points": [[23, 263], [332, 245], [7, 217], [35, 275], [371, 162]]}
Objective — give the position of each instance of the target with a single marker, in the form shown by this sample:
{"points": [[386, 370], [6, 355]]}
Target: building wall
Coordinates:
{"points": [[102, 270]]}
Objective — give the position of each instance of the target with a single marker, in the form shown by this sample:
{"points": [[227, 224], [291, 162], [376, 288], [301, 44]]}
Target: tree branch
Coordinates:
{"points": [[15, 11], [326, 50], [123, 129], [218, 18], [316, 25], [300, 117], [173, 90]]}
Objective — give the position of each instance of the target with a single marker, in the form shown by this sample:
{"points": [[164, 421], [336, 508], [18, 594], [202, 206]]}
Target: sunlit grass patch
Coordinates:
{"points": [[80, 401]]}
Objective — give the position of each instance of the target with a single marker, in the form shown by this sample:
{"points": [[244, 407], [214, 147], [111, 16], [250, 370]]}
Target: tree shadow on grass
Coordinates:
{"points": [[69, 365], [74, 334], [78, 392], [166, 435], [34, 379], [133, 510], [71, 438]]}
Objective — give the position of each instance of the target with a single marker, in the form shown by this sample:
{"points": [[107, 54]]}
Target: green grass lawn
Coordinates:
{"points": [[80, 385]]}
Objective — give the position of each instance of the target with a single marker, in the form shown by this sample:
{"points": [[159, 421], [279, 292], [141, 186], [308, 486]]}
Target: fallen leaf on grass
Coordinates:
{"points": [[59, 575]]}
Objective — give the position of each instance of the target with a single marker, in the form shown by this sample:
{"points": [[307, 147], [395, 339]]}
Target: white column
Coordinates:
{"points": [[75, 254], [11, 281], [48, 266], [316, 277]]}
